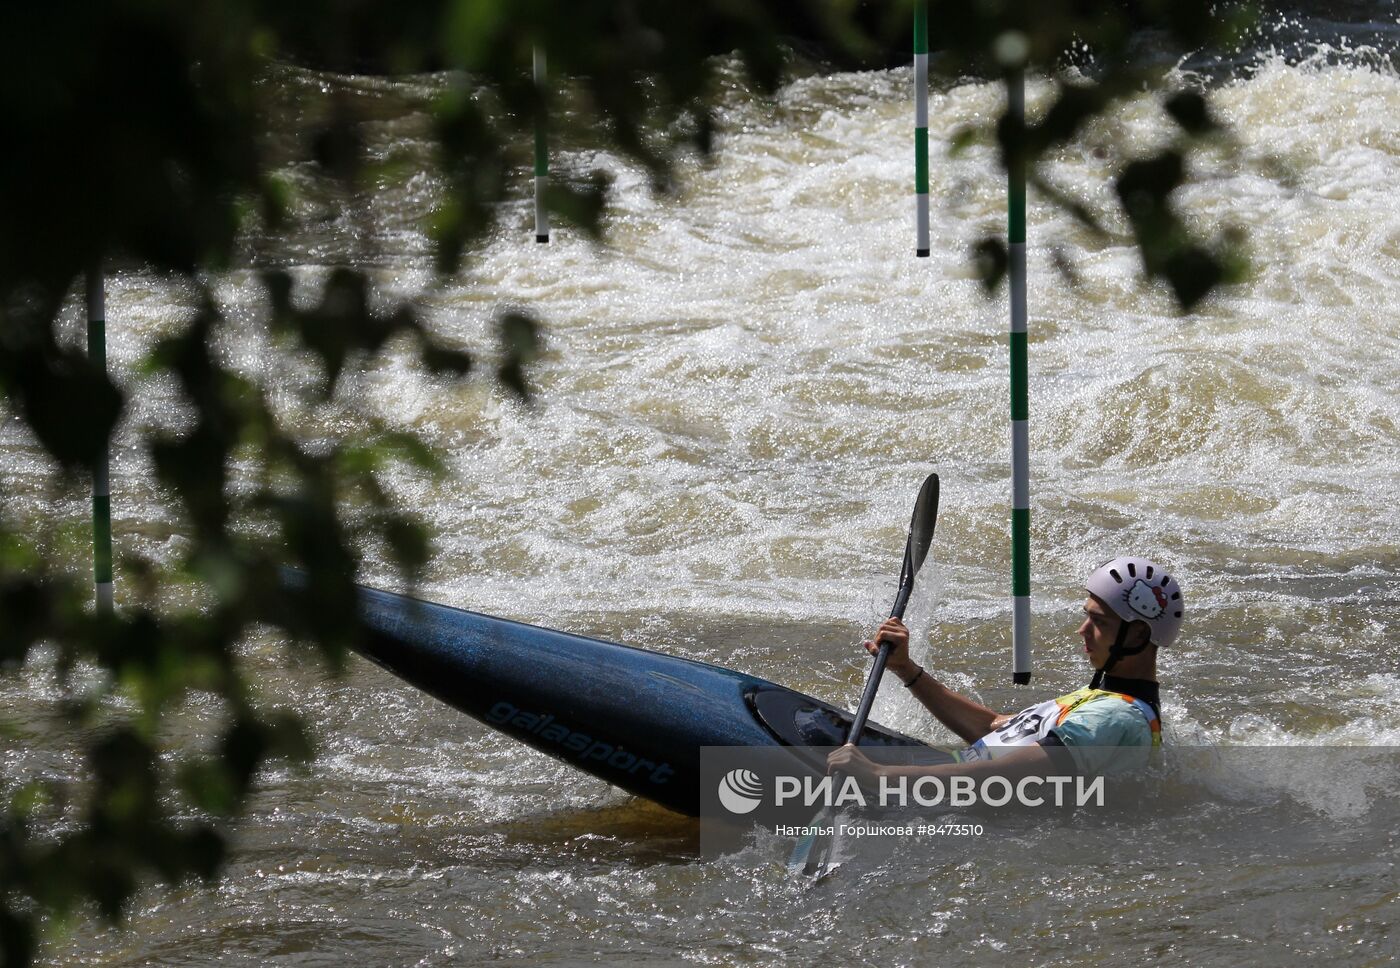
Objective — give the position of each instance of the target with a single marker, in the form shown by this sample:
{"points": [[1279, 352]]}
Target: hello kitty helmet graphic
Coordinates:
{"points": [[1139, 590]]}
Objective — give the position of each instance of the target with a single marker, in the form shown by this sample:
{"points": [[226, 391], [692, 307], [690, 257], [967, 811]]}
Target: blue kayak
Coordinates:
{"points": [[635, 718]]}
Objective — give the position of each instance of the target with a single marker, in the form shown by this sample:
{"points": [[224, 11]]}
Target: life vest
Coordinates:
{"points": [[1035, 723]]}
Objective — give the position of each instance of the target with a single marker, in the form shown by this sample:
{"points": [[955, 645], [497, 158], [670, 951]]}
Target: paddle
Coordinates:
{"points": [[813, 854]]}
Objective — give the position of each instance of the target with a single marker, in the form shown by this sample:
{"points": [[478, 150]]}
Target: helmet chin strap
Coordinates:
{"points": [[1118, 650]]}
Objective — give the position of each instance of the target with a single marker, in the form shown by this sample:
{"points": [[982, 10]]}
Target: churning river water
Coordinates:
{"points": [[742, 389]]}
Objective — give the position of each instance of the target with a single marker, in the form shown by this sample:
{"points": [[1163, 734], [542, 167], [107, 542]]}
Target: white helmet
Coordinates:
{"points": [[1139, 590]]}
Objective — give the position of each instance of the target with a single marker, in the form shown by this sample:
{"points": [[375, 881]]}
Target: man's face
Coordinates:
{"points": [[1098, 631]]}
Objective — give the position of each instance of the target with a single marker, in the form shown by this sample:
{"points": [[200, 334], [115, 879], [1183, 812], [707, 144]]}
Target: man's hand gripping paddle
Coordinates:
{"points": [[813, 855]]}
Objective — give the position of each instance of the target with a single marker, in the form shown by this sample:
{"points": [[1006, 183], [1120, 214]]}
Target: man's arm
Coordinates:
{"points": [[968, 719], [1030, 761]]}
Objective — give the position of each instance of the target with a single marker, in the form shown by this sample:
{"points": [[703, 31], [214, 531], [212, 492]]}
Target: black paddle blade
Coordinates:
{"points": [[922, 523]]}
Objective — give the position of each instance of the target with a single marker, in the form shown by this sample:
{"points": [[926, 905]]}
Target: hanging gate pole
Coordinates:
{"points": [[921, 245], [541, 158], [1020, 394], [101, 489]]}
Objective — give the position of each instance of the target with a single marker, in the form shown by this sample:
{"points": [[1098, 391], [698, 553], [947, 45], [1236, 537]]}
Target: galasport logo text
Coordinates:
{"points": [[740, 791], [578, 744]]}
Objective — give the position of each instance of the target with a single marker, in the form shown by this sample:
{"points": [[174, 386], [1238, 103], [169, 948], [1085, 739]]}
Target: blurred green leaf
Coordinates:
{"points": [[520, 345], [991, 261], [1189, 109]]}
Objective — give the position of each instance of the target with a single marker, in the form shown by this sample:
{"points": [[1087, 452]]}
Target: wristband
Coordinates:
{"points": [[917, 676]]}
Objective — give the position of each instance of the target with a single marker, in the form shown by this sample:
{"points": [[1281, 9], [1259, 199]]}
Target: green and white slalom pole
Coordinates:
{"points": [[921, 128], [541, 157], [1020, 392], [101, 489]]}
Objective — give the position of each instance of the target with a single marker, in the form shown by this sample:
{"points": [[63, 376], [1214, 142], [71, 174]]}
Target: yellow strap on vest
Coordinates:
{"points": [[1072, 701]]}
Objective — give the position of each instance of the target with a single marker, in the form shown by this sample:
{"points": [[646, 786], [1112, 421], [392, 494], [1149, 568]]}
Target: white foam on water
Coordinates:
{"points": [[743, 388], [769, 373]]}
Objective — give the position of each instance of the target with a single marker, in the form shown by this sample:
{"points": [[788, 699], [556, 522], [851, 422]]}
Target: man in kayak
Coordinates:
{"points": [[1133, 609]]}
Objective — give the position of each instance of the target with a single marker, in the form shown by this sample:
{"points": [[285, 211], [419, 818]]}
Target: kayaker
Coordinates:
{"points": [[1134, 608]]}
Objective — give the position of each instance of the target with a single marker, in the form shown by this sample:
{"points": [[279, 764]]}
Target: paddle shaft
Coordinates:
{"points": [[813, 852], [877, 672]]}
